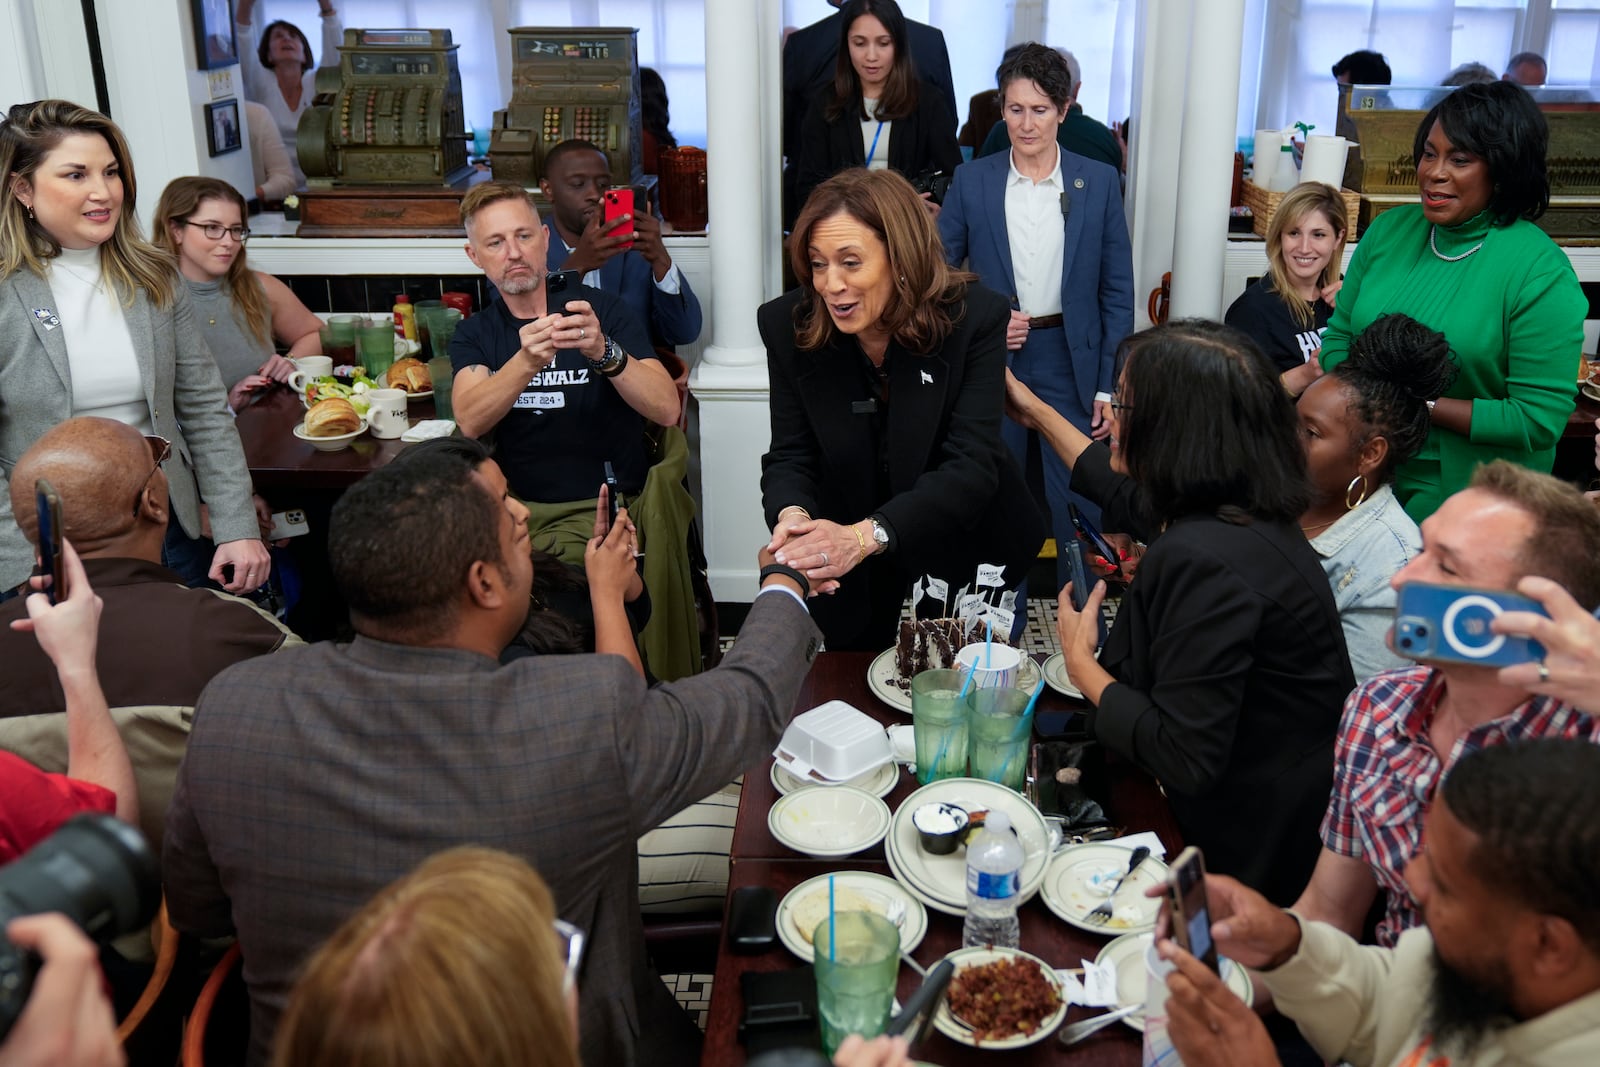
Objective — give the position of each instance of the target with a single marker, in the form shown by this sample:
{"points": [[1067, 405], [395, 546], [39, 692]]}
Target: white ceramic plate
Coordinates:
{"points": [[418, 396], [898, 869], [829, 822], [1592, 390], [881, 680], [1080, 876], [1055, 676], [944, 878], [963, 958], [880, 781], [912, 916], [1127, 952], [336, 443]]}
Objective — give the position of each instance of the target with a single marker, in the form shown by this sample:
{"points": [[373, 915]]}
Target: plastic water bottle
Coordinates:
{"points": [[994, 884]]}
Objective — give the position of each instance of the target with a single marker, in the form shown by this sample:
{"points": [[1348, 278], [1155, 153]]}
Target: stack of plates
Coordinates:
{"points": [[880, 781], [940, 882]]}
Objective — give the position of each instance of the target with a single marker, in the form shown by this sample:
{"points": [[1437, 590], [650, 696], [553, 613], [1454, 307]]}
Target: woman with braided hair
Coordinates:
{"points": [[1359, 422]]}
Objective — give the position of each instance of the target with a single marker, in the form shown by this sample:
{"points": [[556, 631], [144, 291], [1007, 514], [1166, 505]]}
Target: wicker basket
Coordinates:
{"points": [[1264, 204]]}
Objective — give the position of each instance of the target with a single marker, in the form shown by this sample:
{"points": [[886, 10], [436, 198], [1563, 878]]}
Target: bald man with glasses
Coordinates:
{"points": [[160, 641]]}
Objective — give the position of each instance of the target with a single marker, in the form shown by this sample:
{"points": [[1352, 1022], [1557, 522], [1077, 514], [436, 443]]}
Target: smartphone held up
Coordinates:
{"points": [[1190, 913], [52, 561]]}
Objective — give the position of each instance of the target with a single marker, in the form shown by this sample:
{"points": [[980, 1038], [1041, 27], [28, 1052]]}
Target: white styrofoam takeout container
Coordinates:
{"points": [[833, 742]]}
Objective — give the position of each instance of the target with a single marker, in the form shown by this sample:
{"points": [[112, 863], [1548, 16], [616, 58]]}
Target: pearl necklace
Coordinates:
{"points": [[1433, 244]]}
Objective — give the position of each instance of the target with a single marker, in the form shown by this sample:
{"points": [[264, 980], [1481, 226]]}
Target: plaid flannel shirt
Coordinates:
{"points": [[1386, 773]]}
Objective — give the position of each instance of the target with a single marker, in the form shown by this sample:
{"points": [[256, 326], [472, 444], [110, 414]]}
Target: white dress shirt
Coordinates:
{"points": [[1038, 236], [872, 130]]}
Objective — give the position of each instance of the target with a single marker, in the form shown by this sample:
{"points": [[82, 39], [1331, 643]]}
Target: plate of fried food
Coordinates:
{"points": [[1000, 998], [409, 374], [330, 425]]}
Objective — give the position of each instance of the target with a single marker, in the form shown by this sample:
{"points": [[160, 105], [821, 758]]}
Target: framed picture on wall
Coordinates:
{"points": [[215, 43], [222, 126]]}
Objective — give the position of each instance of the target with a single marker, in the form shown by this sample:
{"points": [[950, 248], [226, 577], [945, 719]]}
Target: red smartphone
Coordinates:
{"points": [[616, 203]]}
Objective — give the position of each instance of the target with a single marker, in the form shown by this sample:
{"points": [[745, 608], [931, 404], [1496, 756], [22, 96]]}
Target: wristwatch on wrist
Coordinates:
{"points": [[880, 536], [610, 365]]}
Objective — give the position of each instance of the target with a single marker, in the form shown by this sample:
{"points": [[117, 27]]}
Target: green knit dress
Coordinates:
{"points": [[1513, 311]]}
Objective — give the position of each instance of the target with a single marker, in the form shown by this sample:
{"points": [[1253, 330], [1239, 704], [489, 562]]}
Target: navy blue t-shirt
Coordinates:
{"points": [[554, 442]]}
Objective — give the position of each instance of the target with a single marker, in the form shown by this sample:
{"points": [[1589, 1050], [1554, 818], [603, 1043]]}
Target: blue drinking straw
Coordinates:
{"points": [[968, 683], [1033, 699], [988, 642], [831, 939]]}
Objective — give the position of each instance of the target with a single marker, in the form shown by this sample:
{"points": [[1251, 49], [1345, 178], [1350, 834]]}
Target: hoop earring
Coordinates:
{"points": [[1348, 506]]}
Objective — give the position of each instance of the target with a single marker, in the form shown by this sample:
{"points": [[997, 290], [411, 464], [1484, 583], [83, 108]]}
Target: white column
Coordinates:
{"points": [[158, 96], [1160, 54], [1205, 166], [44, 52], [729, 383]]}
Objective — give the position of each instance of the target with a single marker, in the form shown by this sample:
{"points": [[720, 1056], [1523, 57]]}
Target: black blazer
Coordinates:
{"points": [[957, 498], [1231, 675], [922, 141]]}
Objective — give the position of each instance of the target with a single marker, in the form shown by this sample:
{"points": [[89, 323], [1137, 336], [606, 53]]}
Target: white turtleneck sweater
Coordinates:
{"points": [[103, 368]]}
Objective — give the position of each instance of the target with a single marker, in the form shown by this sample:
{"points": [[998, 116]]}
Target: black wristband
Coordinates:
{"points": [[788, 572]]}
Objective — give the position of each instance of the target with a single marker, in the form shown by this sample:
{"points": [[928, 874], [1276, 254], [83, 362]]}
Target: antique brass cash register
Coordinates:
{"points": [[1384, 171], [569, 83], [384, 145]]}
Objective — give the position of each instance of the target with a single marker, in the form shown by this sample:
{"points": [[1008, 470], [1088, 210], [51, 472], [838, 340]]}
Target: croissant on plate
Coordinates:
{"points": [[411, 375], [332, 417]]}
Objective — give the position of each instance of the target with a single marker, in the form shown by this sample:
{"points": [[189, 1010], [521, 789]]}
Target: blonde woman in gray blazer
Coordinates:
{"points": [[68, 193]]}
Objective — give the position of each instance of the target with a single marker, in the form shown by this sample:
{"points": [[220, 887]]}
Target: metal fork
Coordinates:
{"points": [[1102, 914]]}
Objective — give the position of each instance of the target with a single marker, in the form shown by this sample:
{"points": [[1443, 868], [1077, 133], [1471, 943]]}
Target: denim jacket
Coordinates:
{"points": [[1360, 553]]}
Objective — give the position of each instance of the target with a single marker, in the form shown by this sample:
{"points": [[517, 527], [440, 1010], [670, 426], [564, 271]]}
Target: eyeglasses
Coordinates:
{"points": [[572, 943], [215, 230], [160, 451], [1118, 407]]}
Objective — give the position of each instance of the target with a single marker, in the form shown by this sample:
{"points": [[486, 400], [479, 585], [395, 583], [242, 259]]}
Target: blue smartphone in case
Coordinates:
{"points": [[1450, 624]]}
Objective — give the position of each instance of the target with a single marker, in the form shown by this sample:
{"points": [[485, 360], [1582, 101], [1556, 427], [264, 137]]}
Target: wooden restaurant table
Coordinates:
{"points": [[279, 460], [757, 859]]}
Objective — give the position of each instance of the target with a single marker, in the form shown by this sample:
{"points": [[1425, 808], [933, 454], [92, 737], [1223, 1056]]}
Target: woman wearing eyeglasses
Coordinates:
{"points": [[200, 223], [93, 321], [462, 961]]}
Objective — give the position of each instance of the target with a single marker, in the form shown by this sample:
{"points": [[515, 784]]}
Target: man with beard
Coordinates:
{"points": [[564, 388], [1506, 969]]}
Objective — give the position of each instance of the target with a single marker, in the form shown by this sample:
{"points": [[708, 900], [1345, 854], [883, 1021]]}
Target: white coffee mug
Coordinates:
{"points": [[387, 412], [314, 367], [997, 664]]}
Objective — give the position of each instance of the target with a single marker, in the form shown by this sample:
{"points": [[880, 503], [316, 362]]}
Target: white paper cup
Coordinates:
{"points": [[998, 665], [387, 413], [314, 367]]}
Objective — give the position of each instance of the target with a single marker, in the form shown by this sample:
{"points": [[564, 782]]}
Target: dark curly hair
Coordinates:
{"points": [[1395, 366], [1501, 125], [1043, 66], [264, 47], [1192, 381], [1531, 806]]}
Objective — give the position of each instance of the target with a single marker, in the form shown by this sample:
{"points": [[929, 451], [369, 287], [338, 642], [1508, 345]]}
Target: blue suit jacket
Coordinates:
{"points": [[1096, 263], [673, 319]]}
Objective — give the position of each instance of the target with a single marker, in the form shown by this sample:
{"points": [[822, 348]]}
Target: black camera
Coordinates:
{"points": [[934, 182], [95, 870]]}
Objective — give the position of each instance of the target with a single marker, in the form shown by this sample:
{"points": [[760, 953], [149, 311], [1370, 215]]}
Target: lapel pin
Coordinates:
{"points": [[46, 317], [1077, 183], [927, 379]]}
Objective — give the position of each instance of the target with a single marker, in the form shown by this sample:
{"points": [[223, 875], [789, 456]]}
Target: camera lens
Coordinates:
{"points": [[1422, 631]]}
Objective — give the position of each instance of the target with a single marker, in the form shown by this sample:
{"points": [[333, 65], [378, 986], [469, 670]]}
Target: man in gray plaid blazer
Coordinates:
{"points": [[316, 776]]}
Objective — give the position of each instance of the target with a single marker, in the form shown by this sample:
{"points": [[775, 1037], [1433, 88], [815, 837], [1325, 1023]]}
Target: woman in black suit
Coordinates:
{"points": [[1225, 672], [877, 113], [887, 373]]}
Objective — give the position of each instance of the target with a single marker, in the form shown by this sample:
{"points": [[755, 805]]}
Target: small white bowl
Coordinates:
{"points": [[840, 821], [336, 443]]}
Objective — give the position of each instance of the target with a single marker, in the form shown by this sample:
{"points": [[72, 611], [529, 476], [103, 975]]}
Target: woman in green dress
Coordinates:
{"points": [[1469, 262]]}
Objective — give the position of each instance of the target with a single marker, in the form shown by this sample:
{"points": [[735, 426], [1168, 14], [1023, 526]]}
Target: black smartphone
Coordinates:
{"points": [[1082, 585], [1191, 915], [52, 563], [556, 285], [613, 497], [752, 912], [1097, 540]]}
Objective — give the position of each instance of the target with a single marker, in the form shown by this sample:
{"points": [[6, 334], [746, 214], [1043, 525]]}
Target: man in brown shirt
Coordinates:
{"points": [[160, 641]]}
